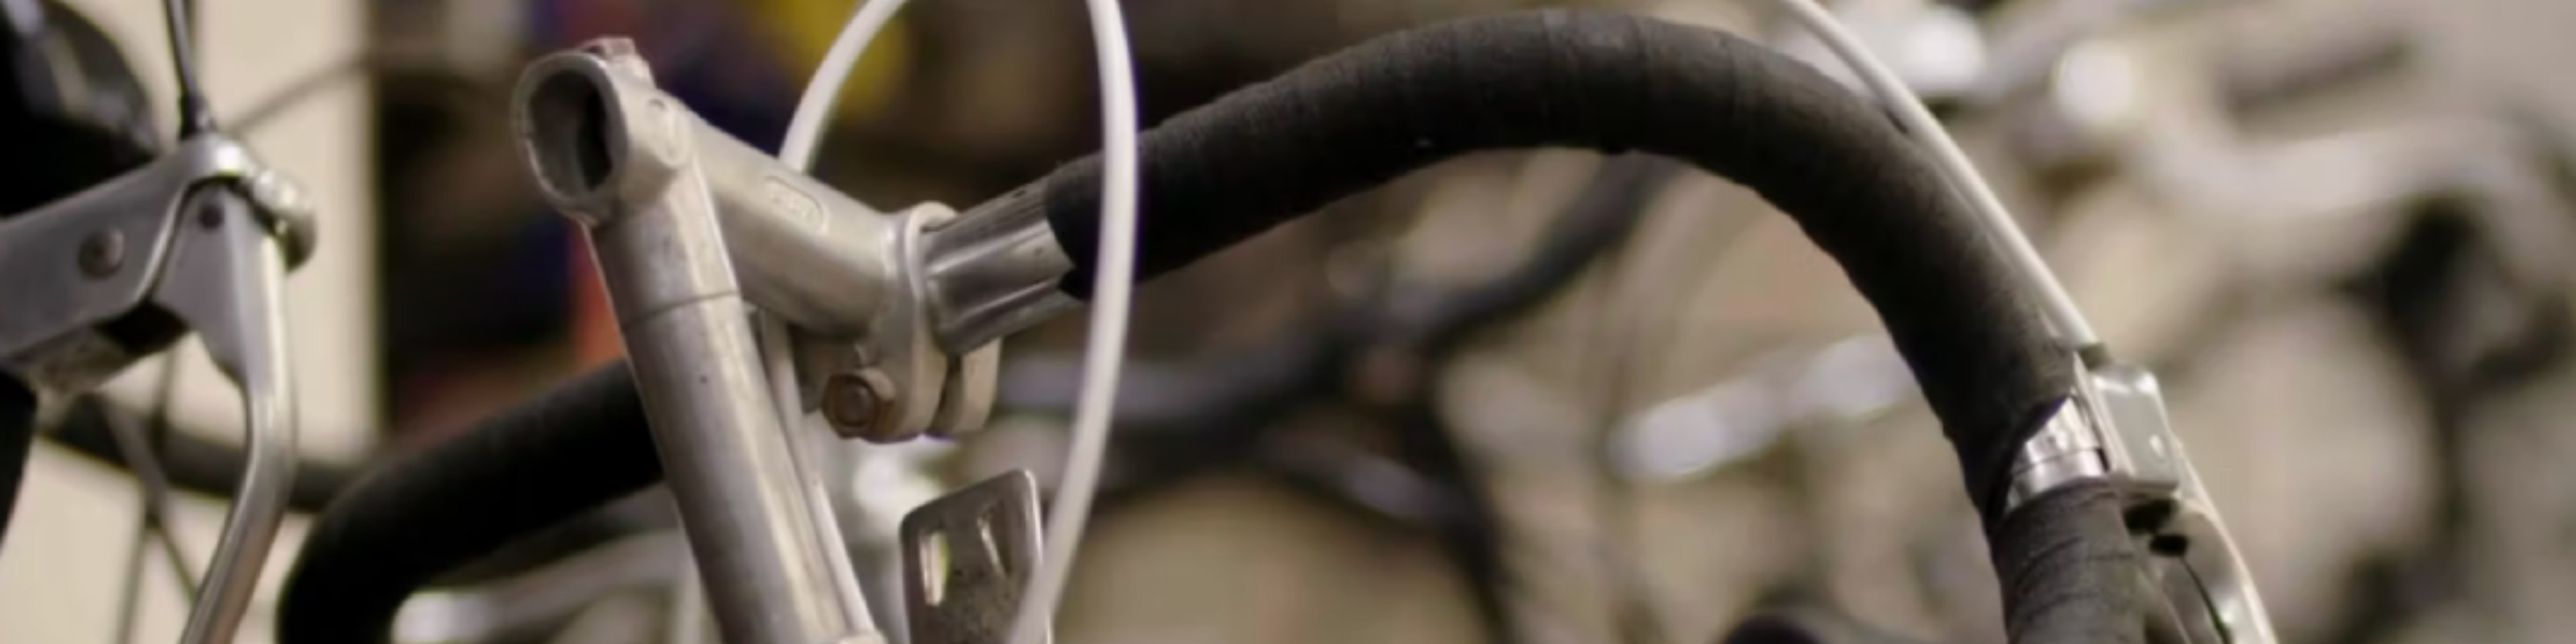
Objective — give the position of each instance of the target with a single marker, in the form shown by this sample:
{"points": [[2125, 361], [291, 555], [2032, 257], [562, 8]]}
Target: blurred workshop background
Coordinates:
{"points": [[1555, 395]]}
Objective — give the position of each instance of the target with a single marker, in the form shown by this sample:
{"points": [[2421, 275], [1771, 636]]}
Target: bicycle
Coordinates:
{"points": [[196, 238], [608, 147]]}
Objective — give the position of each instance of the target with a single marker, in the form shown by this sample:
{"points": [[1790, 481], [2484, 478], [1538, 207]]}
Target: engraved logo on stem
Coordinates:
{"points": [[794, 204]]}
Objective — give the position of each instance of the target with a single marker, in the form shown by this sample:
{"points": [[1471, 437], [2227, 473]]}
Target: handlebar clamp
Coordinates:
{"points": [[853, 284]]}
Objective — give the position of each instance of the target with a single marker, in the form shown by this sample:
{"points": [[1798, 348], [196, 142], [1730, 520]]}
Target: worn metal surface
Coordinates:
{"points": [[48, 333], [618, 156], [967, 558]]}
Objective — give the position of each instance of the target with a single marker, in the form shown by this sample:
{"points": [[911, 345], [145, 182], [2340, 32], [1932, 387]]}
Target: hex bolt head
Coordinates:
{"points": [[103, 253], [855, 400]]}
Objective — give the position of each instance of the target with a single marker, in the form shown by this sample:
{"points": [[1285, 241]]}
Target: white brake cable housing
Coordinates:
{"points": [[1105, 345], [2063, 316]]}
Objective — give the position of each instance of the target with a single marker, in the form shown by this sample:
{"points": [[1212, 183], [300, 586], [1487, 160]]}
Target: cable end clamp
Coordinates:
{"points": [[2113, 428]]}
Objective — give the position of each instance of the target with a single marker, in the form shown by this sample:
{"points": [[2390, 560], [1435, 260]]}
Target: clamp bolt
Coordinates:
{"points": [[856, 399], [103, 253]]}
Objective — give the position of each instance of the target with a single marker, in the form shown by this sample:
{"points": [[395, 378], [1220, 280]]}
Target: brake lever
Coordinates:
{"points": [[2134, 404], [2115, 428], [225, 280], [202, 237]]}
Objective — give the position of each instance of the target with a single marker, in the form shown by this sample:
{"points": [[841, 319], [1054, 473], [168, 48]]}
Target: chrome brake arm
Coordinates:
{"points": [[76, 264], [225, 279], [2114, 428], [205, 234]]}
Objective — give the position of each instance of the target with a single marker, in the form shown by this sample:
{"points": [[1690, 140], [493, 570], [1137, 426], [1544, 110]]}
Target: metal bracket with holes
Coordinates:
{"points": [[966, 559]]}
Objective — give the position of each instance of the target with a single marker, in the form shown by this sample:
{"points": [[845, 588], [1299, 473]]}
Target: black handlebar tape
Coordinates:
{"points": [[192, 462], [1809, 627], [1226, 393], [411, 519], [17, 433], [2070, 572], [1269, 152]]}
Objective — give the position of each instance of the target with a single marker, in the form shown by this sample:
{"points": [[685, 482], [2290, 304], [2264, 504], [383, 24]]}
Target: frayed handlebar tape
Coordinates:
{"points": [[2069, 571], [410, 520], [1339, 125]]}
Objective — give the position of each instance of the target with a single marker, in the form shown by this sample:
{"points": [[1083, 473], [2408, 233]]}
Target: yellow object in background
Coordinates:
{"points": [[806, 29]]}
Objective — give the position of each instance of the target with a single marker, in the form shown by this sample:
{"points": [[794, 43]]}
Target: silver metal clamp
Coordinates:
{"points": [[899, 380], [2114, 428]]}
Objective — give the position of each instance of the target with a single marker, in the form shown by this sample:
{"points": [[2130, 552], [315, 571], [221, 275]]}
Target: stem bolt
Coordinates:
{"points": [[855, 400]]}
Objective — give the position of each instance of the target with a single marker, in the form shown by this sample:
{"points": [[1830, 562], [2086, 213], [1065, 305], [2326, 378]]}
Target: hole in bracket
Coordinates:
{"points": [[935, 553]]}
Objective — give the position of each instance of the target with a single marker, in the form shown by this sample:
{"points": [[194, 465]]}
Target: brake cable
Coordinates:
{"points": [[1104, 344], [1955, 167], [2053, 459]]}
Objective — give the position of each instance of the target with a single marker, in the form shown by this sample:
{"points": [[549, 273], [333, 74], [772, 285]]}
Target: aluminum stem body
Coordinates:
{"points": [[723, 450], [618, 155], [806, 252]]}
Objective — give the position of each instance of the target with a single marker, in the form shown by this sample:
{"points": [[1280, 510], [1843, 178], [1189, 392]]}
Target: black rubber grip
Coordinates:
{"points": [[411, 519], [1270, 152], [17, 433], [2070, 572]]}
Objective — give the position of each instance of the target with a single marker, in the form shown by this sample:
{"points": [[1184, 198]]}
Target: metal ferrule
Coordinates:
{"points": [[2067, 449], [993, 271]]}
